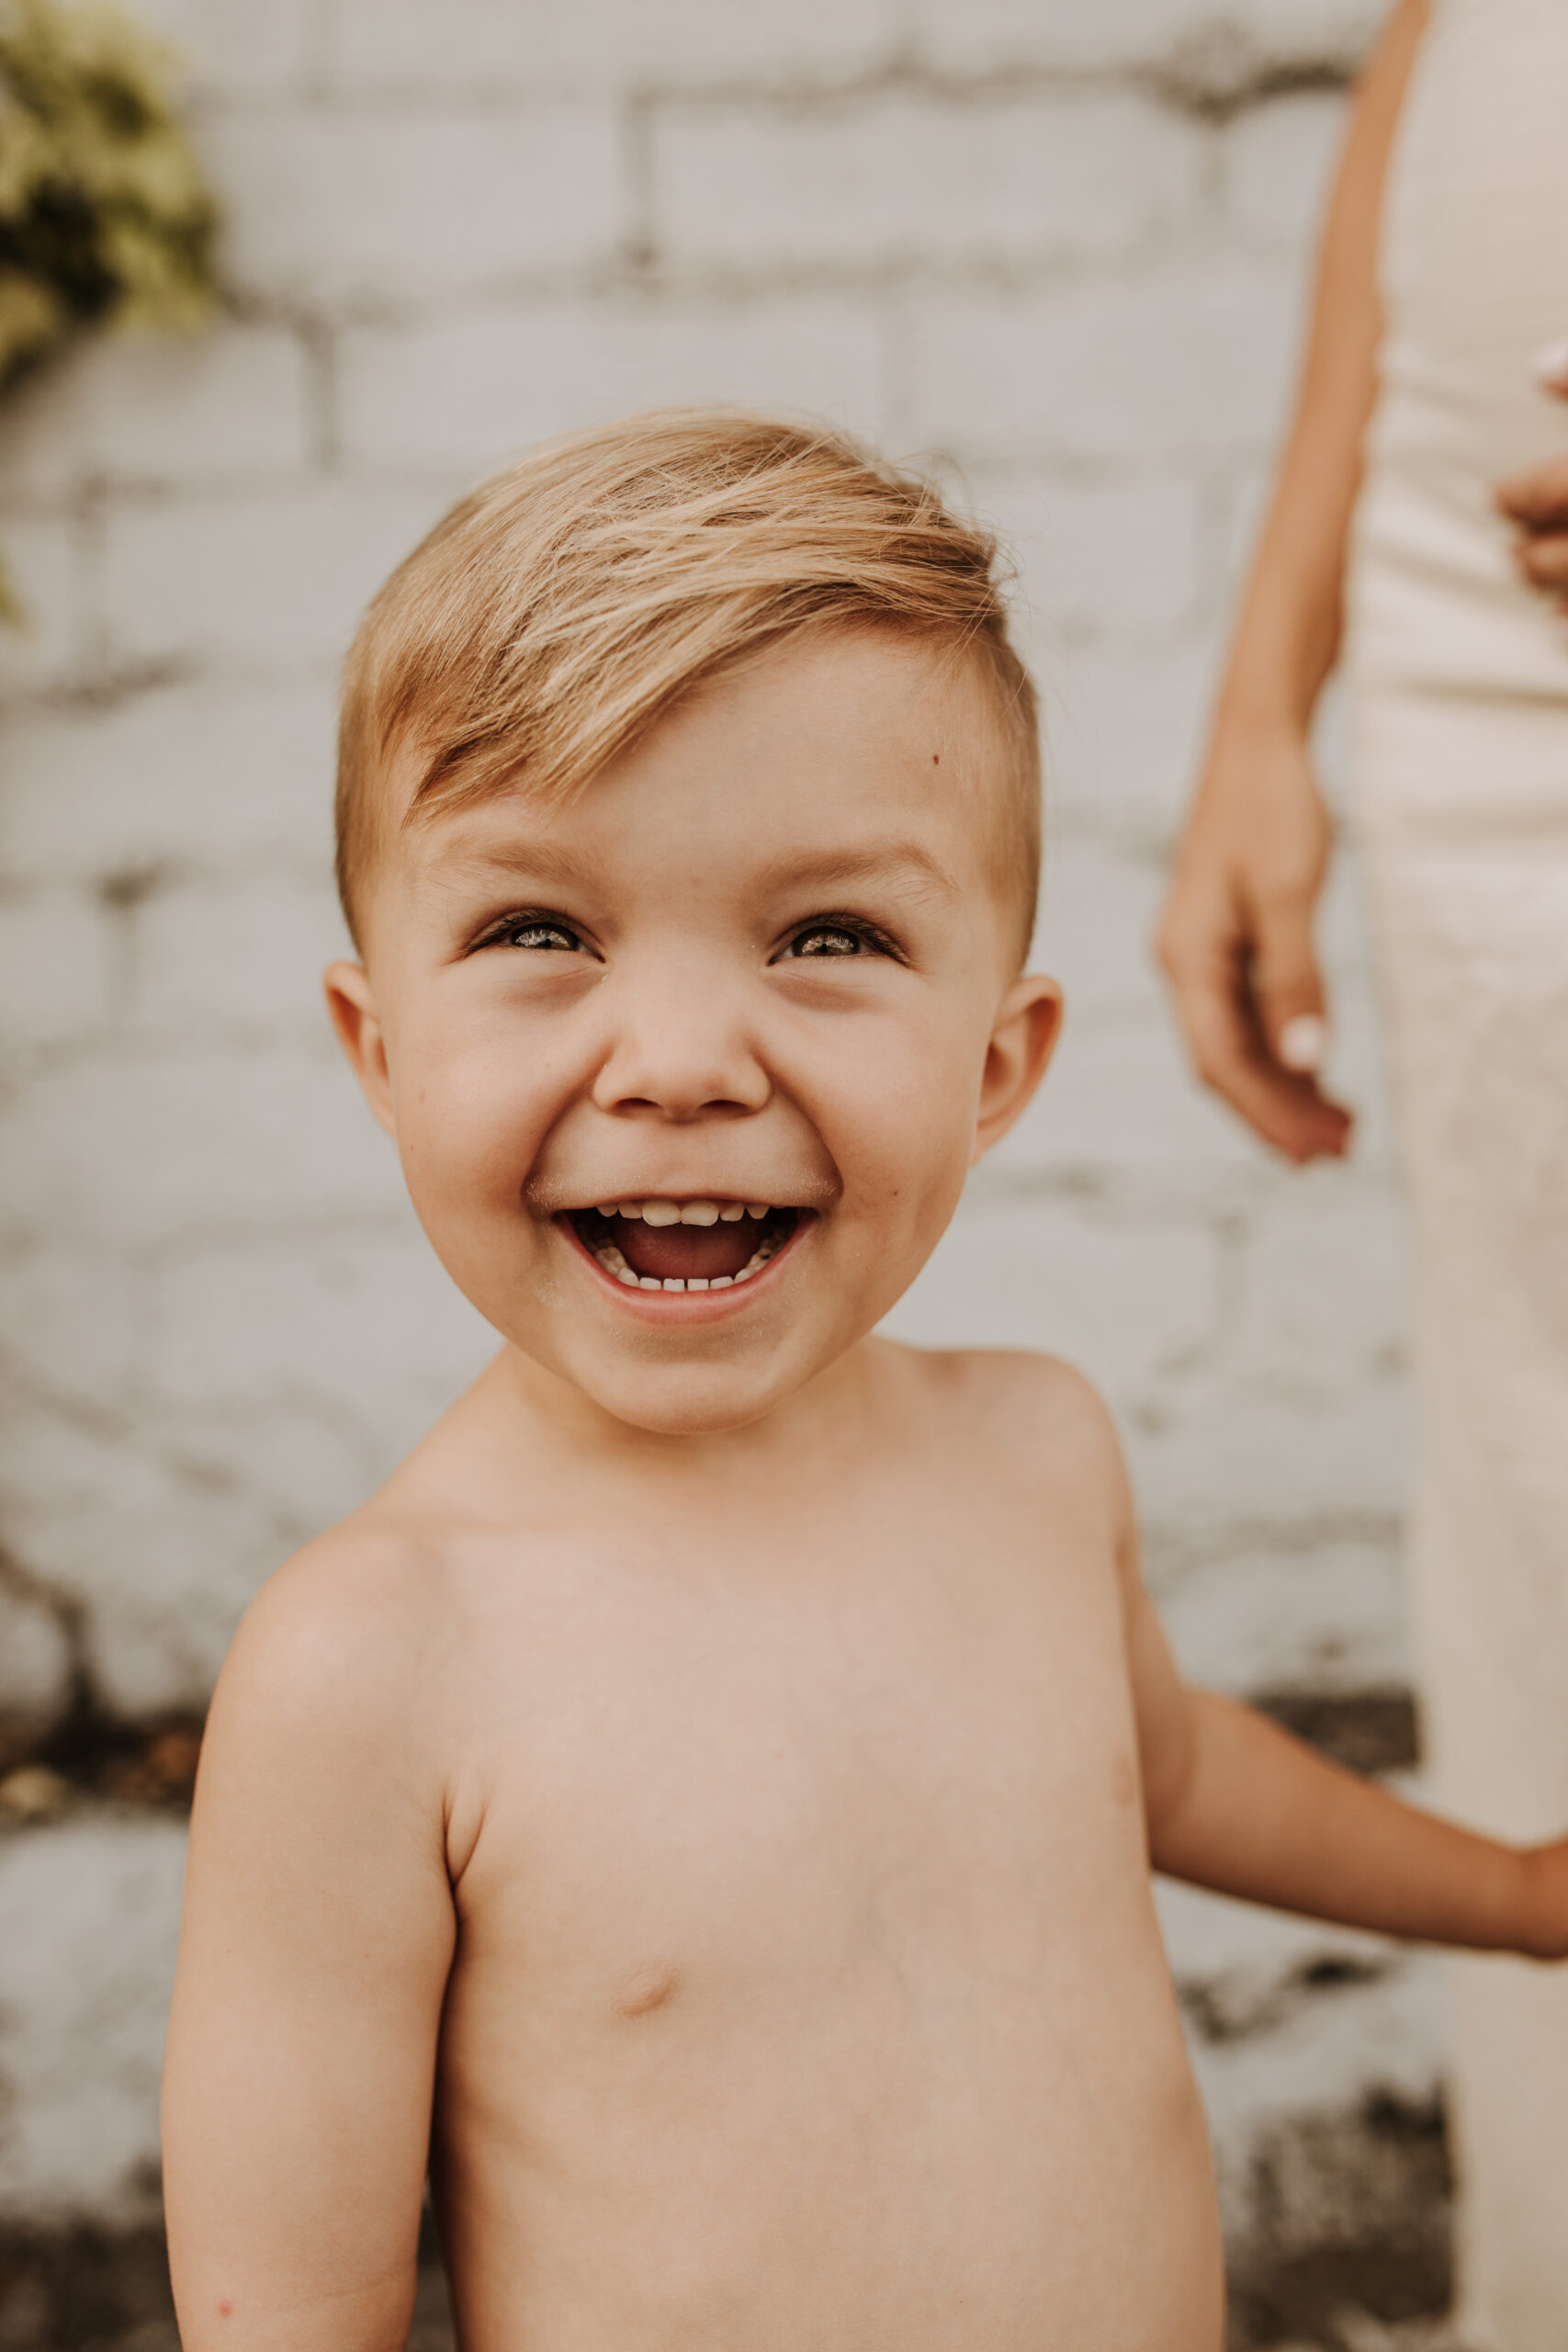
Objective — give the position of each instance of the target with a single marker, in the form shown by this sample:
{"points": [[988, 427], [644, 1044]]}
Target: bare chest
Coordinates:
{"points": [[722, 1804], [798, 1927]]}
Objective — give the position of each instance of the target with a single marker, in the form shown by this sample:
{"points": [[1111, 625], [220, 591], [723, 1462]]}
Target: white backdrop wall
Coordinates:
{"points": [[1059, 245]]}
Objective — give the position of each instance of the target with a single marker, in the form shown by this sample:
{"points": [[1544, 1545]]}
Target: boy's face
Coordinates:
{"points": [[758, 964]]}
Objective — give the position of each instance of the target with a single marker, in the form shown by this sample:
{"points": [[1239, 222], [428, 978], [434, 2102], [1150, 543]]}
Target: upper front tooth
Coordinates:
{"points": [[608, 1208], [756, 1208], [660, 1212]]}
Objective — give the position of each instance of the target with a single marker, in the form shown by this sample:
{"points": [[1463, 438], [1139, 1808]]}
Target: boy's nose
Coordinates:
{"points": [[679, 1051]]}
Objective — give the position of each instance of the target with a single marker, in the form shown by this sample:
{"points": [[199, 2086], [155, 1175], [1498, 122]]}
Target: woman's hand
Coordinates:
{"points": [[1537, 503], [1236, 940]]}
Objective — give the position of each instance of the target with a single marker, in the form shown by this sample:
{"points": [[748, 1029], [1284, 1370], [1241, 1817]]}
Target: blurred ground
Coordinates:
{"points": [[85, 2293], [81, 2291]]}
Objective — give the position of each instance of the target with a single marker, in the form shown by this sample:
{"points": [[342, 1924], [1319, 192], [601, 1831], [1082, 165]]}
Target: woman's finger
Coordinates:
{"points": [[1209, 964], [1286, 985], [1544, 559], [1551, 366], [1537, 501]]}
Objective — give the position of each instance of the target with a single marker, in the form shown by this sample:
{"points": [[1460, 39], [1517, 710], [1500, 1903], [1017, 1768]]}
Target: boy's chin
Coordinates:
{"points": [[688, 1401], [694, 1417], [693, 1400]]}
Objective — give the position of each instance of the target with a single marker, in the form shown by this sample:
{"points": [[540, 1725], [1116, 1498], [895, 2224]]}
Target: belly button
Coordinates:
{"points": [[648, 1989]]}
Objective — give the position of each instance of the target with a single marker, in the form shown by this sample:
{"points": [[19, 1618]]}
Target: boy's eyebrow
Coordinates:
{"points": [[541, 861], [908, 863], [900, 863]]}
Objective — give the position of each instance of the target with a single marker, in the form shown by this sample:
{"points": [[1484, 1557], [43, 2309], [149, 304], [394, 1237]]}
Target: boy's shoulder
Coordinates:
{"points": [[357, 1621], [343, 1633], [363, 1601], [1025, 1379], [1036, 1407]]}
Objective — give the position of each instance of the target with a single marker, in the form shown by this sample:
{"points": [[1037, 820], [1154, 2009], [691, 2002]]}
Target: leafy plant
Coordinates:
{"points": [[105, 218]]}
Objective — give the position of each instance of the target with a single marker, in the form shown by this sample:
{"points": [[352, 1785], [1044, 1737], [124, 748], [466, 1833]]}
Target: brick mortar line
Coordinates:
{"points": [[1213, 75], [1199, 239]]}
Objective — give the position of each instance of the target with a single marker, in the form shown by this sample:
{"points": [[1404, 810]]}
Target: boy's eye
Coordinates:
{"points": [[834, 939], [537, 931]]}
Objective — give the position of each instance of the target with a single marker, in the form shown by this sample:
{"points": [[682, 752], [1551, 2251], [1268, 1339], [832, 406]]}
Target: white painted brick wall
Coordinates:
{"points": [[1275, 158], [209, 773], [443, 397], [1210, 51], [333, 204], [1184, 357], [1059, 248], [232, 407], [90, 1913], [625, 45], [922, 179]]}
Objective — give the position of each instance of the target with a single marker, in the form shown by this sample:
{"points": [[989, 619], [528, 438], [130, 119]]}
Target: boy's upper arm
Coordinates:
{"points": [[318, 1933], [1161, 1706]]}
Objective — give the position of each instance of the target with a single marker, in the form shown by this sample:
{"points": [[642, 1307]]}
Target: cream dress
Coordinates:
{"points": [[1459, 681]]}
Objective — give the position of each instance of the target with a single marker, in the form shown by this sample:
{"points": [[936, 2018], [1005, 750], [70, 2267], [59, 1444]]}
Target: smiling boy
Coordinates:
{"points": [[702, 1805]]}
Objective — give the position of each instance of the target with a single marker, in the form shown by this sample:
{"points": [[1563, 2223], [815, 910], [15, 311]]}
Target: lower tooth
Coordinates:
{"points": [[625, 1275], [722, 1281], [648, 1281], [674, 1282], [695, 1281]]}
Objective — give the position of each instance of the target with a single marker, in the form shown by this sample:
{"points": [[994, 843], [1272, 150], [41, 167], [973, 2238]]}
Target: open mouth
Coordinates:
{"points": [[685, 1245]]}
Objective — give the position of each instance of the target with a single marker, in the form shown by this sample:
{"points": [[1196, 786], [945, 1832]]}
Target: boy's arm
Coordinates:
{"points": [[313, 1958], [1236, 1805]]}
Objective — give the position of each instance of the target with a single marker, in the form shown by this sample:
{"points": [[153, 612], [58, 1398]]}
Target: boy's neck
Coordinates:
{"points": [[524, 1418]]}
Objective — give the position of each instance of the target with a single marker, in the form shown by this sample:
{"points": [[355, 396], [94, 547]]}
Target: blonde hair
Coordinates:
{"points": [[559, 609]]}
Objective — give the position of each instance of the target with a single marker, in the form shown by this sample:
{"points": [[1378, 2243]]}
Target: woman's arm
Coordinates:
{"points": [[1236, 937]]}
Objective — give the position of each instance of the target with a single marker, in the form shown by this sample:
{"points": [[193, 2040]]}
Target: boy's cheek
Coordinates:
{"points": [[901, 1185], [469, 1134], [908, 1103]]}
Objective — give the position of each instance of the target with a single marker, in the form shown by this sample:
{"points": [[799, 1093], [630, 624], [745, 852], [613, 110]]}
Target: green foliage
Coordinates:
{"points": [[105, 219]]}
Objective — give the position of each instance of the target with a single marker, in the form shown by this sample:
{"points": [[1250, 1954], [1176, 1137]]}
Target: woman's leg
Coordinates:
{"points": [[1466, 819]]}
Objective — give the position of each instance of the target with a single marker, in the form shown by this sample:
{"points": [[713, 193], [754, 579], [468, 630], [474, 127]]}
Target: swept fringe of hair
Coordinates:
{"points": [[556, 612]]}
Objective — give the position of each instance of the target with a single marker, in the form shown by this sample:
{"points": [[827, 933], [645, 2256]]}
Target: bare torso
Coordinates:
{"points": [[808, 1989]]}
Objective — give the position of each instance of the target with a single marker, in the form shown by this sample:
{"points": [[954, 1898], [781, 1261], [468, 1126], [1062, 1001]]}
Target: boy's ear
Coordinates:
{"points": [[359, 1033], [1027, 1023]]}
